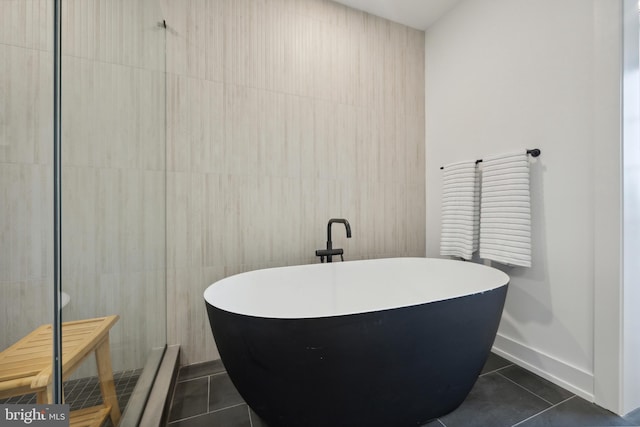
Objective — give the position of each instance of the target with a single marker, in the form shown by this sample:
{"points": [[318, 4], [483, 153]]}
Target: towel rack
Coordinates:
{"points": [[534, 152]]}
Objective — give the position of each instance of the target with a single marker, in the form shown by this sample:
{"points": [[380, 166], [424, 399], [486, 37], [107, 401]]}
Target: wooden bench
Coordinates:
{"points": [[26, 366]]}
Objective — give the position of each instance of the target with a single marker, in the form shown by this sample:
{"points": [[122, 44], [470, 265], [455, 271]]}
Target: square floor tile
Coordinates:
{"points": [[536, 384], [576, 412], [190, 398], [200, 370], [634, 417], [238, 416], [497, 402], [493, 363], [222, 393]]}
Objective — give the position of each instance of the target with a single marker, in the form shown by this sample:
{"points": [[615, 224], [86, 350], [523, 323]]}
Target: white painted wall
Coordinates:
{"points": [[504, 75], [607, 244], [630, 371]]}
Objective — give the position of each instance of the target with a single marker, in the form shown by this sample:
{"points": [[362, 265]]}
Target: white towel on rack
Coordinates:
{"points": [[505, 210], [460, 209]]}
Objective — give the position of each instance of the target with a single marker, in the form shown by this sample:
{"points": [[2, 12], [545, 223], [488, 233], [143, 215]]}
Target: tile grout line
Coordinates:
{"points": [[228, 407], [186, 418], [524, 388], [443, 424], [206, 413], [186, 380], [208, 392], [496, 370], [543, 411], [250, 418], [211, 374], [217, 374]]}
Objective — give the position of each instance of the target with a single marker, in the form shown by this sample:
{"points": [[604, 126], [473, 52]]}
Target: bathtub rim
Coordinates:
{"points": [[307, 307]]}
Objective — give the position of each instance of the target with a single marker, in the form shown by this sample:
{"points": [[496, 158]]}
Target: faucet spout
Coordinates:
{"points": [[339, 220], [329, 242]]}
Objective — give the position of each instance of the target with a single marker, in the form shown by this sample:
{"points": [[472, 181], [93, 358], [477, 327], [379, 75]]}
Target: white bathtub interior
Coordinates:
{"points": [[343, 288]]}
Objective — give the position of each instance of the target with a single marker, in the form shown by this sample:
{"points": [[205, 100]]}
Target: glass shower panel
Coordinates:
{"points": [[26, 185], [113, 187]]}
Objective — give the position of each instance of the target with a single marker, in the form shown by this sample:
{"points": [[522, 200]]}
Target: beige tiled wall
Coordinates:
{"points": [[114, 170], [280, 115], [26, 200]]}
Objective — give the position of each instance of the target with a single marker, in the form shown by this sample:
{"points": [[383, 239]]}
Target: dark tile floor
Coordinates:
{"points": [[85, 392], [504, 395]]}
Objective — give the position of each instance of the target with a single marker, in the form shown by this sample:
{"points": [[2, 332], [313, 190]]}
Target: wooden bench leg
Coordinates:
{"points": [[45, 396], [105, 376]]}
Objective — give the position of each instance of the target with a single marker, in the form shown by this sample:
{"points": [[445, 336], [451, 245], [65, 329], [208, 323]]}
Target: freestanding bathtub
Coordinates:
{"points": [[387, 342]]}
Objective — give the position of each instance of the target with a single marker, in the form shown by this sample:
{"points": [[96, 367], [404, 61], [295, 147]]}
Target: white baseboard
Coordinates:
{"points": [[558, 372]]}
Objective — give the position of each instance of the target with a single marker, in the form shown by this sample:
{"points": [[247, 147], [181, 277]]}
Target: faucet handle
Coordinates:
{"points": [[329, 253]]}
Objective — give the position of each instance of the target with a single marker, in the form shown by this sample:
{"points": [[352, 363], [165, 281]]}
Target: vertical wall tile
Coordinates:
{"points": [[318, 113], [241, 130], [113, 177], [150, 118], [213, 28], [178, 116], [27, 248], [279, 116], [26, 221]]}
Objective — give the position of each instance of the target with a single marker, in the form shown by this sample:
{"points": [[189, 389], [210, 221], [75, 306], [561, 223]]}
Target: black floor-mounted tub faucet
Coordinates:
{"points": [[330, 252]]}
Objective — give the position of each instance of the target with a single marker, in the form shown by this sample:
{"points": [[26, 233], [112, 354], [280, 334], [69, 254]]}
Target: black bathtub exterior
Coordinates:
{"points": [[397, 367]]}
